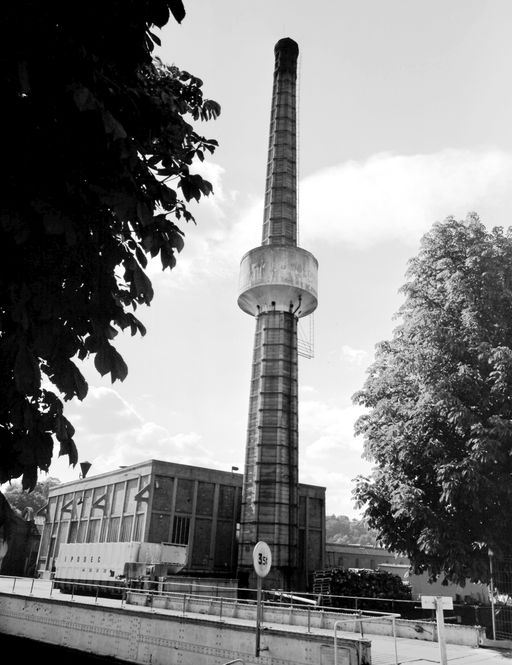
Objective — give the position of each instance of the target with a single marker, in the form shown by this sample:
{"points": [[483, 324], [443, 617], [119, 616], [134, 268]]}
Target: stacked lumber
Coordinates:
{"points": [[360, 583]]}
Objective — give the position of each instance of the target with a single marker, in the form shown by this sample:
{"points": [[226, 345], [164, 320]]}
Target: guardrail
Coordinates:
{"points": [[224, 607], [283, 608], [360, 620]]}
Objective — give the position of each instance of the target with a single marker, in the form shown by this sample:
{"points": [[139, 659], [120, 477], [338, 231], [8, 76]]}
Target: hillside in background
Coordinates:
{"points": [[342, 529]]}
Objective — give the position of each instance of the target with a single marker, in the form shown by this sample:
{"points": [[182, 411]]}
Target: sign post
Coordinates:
{"points": [[439, 603], [491, 554], [262, 560]]}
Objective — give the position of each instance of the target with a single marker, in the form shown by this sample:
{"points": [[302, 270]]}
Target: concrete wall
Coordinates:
{"points": [[310, 618], [141, 636]]}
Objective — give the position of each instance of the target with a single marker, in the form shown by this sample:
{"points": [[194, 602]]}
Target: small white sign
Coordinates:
{"points": [[262, 558], [433, 602]]}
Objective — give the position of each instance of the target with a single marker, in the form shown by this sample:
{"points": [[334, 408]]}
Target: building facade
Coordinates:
{"points": [[154, 502], [341, 555], [163, 502]]}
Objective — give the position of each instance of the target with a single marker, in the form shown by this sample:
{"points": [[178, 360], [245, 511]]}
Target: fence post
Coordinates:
{"points": [[394, 639], [491, 554]]}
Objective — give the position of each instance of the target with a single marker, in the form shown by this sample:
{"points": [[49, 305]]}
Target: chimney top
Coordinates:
{"points": [[286, 52]]}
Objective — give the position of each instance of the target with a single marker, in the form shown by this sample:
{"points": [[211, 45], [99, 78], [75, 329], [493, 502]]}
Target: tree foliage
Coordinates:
{"points": [[439, 399], [19, 499], [100, 147], [342, 529]]}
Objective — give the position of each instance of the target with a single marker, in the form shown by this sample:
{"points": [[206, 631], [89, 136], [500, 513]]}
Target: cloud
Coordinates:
{"points": [[103, 412], [353, 356], [399, 197], [110, 433], [327, 442], [318, 417], [355, 203]]}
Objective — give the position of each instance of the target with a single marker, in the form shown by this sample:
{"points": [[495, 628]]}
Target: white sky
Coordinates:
{"points": [[405, 118]]}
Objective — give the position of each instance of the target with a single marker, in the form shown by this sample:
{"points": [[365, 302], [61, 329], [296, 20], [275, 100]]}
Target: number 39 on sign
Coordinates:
{"points": [[262, 558]]}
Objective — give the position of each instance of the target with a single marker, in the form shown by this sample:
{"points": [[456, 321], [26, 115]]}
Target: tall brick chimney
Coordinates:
{"points": [[278, 285]]}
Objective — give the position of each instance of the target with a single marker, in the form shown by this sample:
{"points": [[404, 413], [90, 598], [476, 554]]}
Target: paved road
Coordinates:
{"points": [[415, 652]]}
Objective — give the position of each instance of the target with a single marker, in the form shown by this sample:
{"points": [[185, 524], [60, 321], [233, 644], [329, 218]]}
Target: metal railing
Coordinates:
{"points": [[211, 595], [224, 607], [360, 620]]}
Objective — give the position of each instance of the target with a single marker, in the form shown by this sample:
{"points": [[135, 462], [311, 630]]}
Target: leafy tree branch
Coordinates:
{"points": [[95, 130]]}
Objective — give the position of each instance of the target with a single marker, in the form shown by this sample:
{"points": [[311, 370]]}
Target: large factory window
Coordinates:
{"points": [[98, 502], [117, 501], [93, 533], [129, 500], [65, 512], [113, 529], [138, 533], [104, 527], [45, 543], [63, 534], [53, 541], [87, 501], [58, 507], [180, 529], [126, 528], [50, 515], [82, 530], [108, 500], [73, 531]]}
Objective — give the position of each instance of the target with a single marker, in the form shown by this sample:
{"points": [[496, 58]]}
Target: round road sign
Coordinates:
{"points": [[262, 558]]}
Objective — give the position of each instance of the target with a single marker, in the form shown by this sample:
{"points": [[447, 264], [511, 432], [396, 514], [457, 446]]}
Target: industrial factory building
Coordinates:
{"points": [[157, 502]]}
